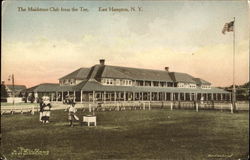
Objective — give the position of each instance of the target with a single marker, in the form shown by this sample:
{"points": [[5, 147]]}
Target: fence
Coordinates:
{"points": [[19, 109], [132, 105]]}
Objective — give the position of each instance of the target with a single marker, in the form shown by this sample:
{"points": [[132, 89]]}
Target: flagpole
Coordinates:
{"points": [[234, 91]]}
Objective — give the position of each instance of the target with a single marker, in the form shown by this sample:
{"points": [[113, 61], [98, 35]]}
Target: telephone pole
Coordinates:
{"points": [[234, 90]]}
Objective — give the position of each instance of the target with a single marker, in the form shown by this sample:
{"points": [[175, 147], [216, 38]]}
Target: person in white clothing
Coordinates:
{"points": [[71, 114], [46, 110]]}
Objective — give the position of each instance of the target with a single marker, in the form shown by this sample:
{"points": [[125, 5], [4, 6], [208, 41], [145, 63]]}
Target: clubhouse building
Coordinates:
{"points": [[101, 83]]}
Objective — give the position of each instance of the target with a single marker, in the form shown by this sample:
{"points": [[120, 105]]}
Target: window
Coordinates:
{"points": [[108, 81], [130, 83], [72, 81], [118, 81]]}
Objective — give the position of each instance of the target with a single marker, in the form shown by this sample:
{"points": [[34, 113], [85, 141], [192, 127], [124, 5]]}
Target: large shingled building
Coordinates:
{"points": [[115, 83]]}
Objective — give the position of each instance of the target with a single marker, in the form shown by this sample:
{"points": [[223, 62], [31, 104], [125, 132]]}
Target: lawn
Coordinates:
{"points": [[138, 134]]}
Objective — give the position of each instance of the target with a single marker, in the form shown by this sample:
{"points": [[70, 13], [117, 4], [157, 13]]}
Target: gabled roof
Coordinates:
{"points": [[181, 77], [16, 87], [200, 81], [135, 73], [81, 73], [106, 71]]}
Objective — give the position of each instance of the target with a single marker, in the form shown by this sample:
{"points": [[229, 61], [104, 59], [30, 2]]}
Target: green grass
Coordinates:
{"points": [[155, 134]]}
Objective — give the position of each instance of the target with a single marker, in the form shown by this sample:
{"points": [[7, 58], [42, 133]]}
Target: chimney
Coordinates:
{"points": [[167, 69], [102, 62]]}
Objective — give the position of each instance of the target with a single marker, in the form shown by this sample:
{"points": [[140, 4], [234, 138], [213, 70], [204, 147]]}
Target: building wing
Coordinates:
{"points": [[16, 87], [44, 87]]}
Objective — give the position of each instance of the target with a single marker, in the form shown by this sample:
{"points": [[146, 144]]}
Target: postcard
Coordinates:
{"points": [[143, 79]]}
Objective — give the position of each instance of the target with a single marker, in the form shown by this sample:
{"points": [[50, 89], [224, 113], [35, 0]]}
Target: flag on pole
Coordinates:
{"points": [[228, 27]]}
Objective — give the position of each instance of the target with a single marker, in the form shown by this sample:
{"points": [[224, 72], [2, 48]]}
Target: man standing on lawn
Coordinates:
{"points": [[72, 116]]}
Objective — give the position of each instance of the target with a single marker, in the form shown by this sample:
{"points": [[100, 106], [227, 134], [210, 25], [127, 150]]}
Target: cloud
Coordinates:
{"points": [[46, 60], [187, 40]]}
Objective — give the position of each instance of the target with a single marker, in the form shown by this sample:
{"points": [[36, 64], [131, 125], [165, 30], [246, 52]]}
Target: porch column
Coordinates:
{"points": [[212, 96], [124, 96], [104, 96], [62, 96], [142, 96], [184, 96], [56, 96], [133, 96], [93, 96], [179, 96], [74, 96], [150, 96], [165, 94], [115, 96], [221, 97], [171, 99], [171, 96], [190, 96], [81, 96]]}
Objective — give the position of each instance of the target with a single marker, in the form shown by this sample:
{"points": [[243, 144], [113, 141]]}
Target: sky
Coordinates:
{"points": [[43, 46]]}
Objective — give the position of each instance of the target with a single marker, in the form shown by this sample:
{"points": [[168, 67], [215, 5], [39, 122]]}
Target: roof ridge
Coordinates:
{"points": [[137, 68], [147, 69]]}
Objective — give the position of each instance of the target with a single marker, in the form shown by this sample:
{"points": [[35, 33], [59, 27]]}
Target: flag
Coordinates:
{"points": [[228, 27]]}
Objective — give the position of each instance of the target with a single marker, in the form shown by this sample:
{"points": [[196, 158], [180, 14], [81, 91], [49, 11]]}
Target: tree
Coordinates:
{"points": [[4, 93], [246, 85]]}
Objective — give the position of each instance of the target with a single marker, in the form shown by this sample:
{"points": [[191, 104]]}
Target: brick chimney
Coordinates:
{"points": [[167, 69], [102, 61]]}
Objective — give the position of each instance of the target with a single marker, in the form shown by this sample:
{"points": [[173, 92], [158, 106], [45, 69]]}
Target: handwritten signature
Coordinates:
{"points": [[24, 152]]}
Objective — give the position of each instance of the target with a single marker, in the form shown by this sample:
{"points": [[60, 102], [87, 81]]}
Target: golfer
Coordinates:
{"points": [[71, 115]]}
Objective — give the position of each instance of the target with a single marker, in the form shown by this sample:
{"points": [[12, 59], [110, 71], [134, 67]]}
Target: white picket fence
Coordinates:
{"points": [[18, 109], [128, 105]]}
